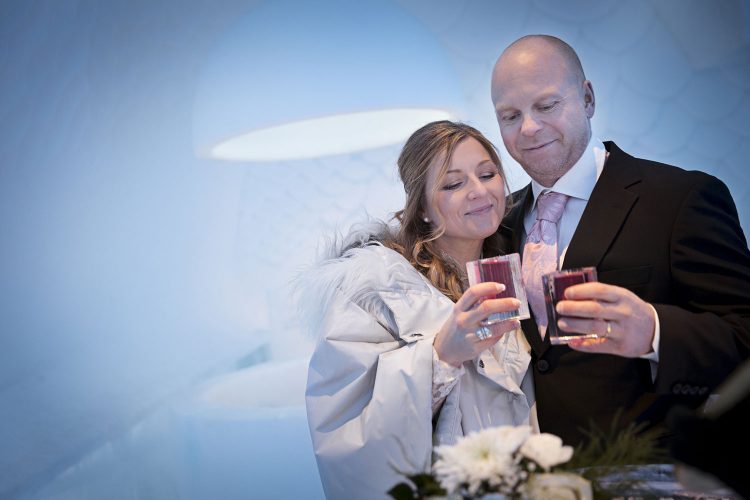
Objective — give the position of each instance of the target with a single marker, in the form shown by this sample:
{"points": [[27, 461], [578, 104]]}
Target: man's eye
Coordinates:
{"points": [[548, 107], [509, 118]]}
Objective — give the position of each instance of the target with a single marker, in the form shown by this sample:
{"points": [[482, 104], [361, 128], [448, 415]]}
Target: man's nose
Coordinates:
{"points": [[529, 126]]}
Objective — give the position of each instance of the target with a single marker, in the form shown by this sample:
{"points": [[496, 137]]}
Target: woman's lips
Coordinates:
{"points": [[480, 211]]}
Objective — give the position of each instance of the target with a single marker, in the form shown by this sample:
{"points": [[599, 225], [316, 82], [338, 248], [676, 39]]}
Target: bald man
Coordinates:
{"points": [[673, 300]]}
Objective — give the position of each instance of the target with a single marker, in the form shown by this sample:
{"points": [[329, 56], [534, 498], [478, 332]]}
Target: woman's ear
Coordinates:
{"points": [[423, 215]]}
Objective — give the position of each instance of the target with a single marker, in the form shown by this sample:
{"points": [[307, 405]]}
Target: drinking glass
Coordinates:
{"points": [[505, 269], [554, 285]]}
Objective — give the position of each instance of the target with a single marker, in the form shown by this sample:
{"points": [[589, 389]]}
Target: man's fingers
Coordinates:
{"points": [[582, 309], [589, 345], [594, 291], [600, 327]]}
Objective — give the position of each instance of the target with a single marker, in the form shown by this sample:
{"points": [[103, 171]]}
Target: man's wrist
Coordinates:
{"points": [[653, 353]]}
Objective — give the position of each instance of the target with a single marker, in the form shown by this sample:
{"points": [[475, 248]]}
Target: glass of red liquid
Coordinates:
{"points": [[554, 285], [505, 269]]}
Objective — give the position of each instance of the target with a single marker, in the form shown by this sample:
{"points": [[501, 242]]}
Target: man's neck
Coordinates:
{"points": [[548, 182]]}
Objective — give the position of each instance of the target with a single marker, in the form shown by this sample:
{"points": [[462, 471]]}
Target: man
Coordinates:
{"points": [[672, 305]]}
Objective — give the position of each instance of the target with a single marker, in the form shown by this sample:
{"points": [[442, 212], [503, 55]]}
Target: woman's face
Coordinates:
{"points": [[469, 199]]}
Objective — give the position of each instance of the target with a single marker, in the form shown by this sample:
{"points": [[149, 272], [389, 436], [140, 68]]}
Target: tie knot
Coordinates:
{"points": [[550, 206]]}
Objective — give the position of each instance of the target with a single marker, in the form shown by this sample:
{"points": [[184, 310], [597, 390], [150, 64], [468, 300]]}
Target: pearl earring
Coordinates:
{"points": [[426, 219]]}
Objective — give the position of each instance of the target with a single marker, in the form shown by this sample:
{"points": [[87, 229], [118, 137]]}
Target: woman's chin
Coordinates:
{"points": [[484, 229]]}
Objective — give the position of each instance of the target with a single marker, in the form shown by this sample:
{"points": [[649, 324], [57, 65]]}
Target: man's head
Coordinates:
{"points": [[543, 105]]}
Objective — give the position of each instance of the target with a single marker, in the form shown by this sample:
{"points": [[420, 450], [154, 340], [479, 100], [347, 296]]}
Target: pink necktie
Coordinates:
{"points": [[540, 252]]}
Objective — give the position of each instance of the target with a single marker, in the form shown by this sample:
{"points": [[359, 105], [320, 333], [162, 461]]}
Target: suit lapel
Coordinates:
{"points": [[606, 211], [511, 230]]}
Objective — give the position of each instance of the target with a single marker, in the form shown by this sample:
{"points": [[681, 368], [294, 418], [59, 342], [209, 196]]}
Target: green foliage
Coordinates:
{"points": [[424, 485], [605, 454], [605, 458], [631, 445]]}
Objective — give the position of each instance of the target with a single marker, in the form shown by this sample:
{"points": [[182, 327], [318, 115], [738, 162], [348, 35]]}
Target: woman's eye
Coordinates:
{"points": [[488, 175], [452, 186]]}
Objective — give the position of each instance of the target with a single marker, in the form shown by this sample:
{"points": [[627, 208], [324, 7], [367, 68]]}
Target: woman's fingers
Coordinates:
{"points": [[493, 306], [477, 293], [471, 320], [496, 332], [465, 335]]}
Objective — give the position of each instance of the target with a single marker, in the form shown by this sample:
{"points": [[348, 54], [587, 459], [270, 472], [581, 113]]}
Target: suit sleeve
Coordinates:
{"points": [[368, 400], [705, 332]]}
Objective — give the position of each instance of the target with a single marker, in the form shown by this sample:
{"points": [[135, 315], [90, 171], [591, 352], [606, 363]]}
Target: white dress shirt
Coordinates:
{"points": [[578, 183]]}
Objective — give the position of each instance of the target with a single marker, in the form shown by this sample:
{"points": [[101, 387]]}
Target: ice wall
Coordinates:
{"points": [[132, 273]]}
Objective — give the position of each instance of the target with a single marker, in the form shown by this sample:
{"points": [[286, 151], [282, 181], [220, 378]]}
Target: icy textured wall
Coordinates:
{"points": [[132, 270]]}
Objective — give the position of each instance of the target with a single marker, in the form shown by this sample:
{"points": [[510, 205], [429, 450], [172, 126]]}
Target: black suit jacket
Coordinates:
{"points": [[672, 237]]}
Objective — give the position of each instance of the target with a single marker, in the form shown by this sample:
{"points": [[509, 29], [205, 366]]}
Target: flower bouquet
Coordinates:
{"points": [[513, 463], [500, 462]]}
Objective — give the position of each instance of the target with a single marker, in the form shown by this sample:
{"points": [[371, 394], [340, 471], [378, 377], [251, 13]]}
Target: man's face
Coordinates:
{"points": [[543, 109]]}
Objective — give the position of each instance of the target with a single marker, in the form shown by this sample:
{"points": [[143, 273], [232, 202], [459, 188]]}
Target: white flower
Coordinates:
{"points": [[491, 462], [558, 486], [509, 438], [482, 457], [546, 450]]}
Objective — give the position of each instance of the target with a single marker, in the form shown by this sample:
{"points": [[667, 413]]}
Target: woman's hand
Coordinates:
{"points": [[457, 340]]}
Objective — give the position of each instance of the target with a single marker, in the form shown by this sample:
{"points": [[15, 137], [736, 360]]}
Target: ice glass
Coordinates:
{"points": [[505, 269], [554, 285]]}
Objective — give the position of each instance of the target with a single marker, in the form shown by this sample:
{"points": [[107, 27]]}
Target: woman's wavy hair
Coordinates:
{"points": [[415, 239]]}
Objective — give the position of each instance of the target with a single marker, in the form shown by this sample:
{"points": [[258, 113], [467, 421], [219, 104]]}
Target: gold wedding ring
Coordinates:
{"points": [[609, 328]]}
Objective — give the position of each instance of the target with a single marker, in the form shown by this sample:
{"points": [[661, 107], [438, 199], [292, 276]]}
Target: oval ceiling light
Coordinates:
{"points": [[297, 80]]}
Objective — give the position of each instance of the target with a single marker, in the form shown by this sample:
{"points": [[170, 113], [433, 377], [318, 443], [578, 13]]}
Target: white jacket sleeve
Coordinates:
{"points": [[369, 394]]}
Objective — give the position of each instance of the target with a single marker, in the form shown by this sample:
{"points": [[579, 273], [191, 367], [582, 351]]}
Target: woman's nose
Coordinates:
{"points": [[476, 188]]}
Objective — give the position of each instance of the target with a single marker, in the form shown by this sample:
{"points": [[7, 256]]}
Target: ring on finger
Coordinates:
{"points": [[483, 332], [609, 328]]}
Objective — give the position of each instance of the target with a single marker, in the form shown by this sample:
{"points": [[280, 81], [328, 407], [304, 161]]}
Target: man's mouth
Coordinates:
{"points": [[537, 148]]}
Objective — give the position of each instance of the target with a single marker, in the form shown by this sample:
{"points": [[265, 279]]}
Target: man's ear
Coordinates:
{"points": [[589, 101]]}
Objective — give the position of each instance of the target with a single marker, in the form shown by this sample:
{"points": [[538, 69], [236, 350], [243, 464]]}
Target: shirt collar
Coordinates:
{"points": [[579, 181]]}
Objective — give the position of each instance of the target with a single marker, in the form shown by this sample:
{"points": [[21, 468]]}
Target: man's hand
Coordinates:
{"points": [[625, 323]]}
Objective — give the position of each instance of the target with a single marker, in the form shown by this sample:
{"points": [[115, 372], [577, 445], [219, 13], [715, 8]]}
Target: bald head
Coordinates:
{"points": [[547, 44], [543, 104], [531, 49]]}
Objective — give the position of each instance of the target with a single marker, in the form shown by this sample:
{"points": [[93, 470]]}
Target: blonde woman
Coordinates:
{"points": [[399, 365]]}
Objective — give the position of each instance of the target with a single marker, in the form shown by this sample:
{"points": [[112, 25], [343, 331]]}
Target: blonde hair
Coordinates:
{"points": [[415, 239]]}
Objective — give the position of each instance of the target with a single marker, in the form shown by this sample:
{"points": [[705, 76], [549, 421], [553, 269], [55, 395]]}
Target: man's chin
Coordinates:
{"points": [[545, 173]]}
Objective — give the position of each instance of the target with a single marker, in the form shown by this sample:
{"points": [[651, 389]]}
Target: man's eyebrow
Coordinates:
{"points": [[500, 107]]}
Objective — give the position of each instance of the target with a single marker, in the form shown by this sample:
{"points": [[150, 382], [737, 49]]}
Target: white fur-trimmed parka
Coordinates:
{"points": [[369, 385]]}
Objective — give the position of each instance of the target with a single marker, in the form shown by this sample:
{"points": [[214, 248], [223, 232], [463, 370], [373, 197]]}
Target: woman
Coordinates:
{"points": [[399, 363]]}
